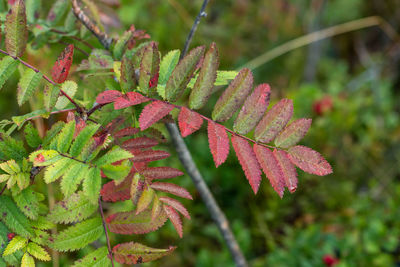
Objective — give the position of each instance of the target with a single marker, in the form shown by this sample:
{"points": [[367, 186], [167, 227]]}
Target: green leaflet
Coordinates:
{"points": [[42, 224], [20, 120], [168, 63], [293, 133], [32, 136], [7, 67], [145, 199], [120, 46], [78, 236], [204, 85], [149, 69], [38, 252], [27, 85], [27, 260], [234, 96], [73, 177], [44, 157], [92, 184], [75, 208], [182, 74], [128, 76], [11, 148], [83, 139], [117, 172], [70, 88], [57, 11], [16, 30], [97, 258], [57, 170], [32, 10], [17, 243], [113, 155], [70, 22], [64, 139], [28, 202], [55, 129], [50, 96], [14, 218]]}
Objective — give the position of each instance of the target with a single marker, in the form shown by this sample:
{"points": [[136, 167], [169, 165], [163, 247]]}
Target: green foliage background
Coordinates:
{"points": [[353, 213]]}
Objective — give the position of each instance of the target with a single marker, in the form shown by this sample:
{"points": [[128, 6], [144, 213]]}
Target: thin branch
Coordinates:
{"points": [[73, 37], [78, 108], [2, 190], [110, 255], [81, 16], [201, 14]]}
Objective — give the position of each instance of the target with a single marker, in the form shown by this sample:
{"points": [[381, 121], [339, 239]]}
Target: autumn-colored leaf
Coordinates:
{"points": [[309, 160], [172, 189], [150, 155], [271, 168], [108, 96], [145, 199], [139, 143], [63, 64], [189, 121], [112, 193], [288, 169], [182, 74], [253, 109], [176, 205], [16, 30], [293, 133], [233, 96], [130, 99], [274, 121], [135, 253], [149, 69], [203, 88], [175, 219], [219, 142], [161, 172], [128, 131], [153, 112], [248, 160]]}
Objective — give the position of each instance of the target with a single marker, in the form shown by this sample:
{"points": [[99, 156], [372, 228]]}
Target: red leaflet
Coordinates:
{"points": [[112, 193], [129, 99], [108, 96], [218, 141], [289, 171], [139, 143], [248, 160], [309, 160], [161, 172], [63, 64], [153, 112], [172, 189], [189, 121], [176, 205], [129, 131], [175, 219], [149, 155], [271, 168]]}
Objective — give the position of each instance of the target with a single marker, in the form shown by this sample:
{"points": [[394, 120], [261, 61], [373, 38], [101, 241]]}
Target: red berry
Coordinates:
{"points": [[323, 105], [10, 236], [330, 260]]}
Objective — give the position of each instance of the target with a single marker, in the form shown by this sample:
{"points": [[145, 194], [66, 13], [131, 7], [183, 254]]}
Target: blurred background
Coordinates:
{"points": [[347, 84]]}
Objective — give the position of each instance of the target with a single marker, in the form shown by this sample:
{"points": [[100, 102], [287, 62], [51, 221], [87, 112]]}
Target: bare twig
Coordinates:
{"points": [[110, 256], [73, 37], [78, 108], [104, 39]]}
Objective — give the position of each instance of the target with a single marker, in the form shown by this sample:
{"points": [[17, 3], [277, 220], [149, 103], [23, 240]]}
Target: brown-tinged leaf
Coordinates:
{"points": [[153, 112], [157, 207], [136, 253], [175, 219], [309, 160], [271, 168], [203, 88], [176, 205], [129, 99], [161, 172], [274, 121], [128, 223], [50, 96], [253, 109], [108, 96], [63, 64], [16, 30], [149, 155], [138, 185], [189, 121], [218, 141], [248, 160], [293, 133], [128, 131], [288, 169], [139, 143], [182, 74], [112, 193], [172, 189], [128, 78], [234, 96], [149, 69]]}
